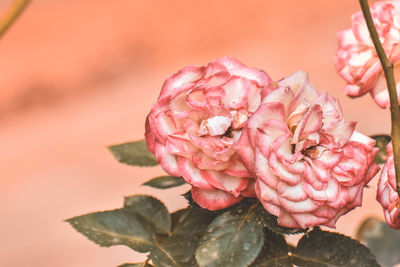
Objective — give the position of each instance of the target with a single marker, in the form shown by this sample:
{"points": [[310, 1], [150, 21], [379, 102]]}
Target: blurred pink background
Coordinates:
{"points": [[77, 76]]}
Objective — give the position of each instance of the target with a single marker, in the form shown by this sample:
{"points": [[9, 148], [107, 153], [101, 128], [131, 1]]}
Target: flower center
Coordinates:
{"points": [[228, 133], [311, 152]]}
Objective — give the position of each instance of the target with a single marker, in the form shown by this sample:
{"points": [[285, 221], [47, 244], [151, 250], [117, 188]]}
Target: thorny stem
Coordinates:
{"points": [[387, 66], [11, 15]]}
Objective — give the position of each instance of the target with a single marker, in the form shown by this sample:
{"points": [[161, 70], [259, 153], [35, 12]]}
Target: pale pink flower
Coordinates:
{"points": [[196, 121], [310, 164], [387, 194], [356, 59]]}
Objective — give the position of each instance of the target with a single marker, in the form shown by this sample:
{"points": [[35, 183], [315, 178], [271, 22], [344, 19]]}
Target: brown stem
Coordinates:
{"points": [[387, 66], [12, 14]]}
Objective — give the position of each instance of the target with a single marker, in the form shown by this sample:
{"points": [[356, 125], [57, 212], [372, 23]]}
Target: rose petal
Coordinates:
{"points": [[213, 199]]}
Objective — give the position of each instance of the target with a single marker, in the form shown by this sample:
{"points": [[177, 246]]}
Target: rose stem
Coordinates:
{"points": [[387, 66], [12, 14]]}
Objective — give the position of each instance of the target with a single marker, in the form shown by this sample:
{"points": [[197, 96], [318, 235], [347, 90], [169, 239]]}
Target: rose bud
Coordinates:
{"points": [[197, 120], [310, 164], [356, 59], [387, 194]]}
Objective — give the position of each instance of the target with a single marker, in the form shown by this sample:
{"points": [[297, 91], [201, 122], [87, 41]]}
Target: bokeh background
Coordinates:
{"points": [[76, 76]]}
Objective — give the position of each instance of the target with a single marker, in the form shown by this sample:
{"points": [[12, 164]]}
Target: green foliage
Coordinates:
{"points": [[179, 248], [239, 236], [191, 221], [164, 182], [274, 252], [270, 222], [233, 239], [115, 227], [175, 250], [381, 142], [319, 248], [150, 209], [134, 153]]}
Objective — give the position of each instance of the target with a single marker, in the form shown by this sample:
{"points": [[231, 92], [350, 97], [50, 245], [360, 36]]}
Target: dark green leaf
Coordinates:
{"points": [[152, 209], [381, 142], [319, 248], [142, 264], [233, 239], [270, 222], [176, 250], [115, 227], [177, 215], [189, 198], [383, 241], [133, 153], [274, 252], [164, 182], [191, 221]]}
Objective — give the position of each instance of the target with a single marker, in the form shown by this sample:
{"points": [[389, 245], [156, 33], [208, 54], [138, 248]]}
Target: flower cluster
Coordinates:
{"points": [[356, 59], [231, 132]]}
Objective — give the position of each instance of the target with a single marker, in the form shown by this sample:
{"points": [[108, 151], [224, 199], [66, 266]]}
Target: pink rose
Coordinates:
{"points": [[387, 194], [197, 120], [356, 59], [311, 166]]}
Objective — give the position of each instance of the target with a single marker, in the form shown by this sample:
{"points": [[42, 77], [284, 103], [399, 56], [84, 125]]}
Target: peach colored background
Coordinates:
{"points": [[77, 76]]}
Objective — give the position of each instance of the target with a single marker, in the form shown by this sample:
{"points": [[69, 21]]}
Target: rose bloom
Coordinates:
{"points": [[197, 120], [387, 194], [311, 166], [356, 59]]}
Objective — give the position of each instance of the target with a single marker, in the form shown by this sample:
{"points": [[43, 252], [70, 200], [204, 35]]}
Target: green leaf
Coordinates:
{"points": [[270, 222], [383, 241], [115, 227], [142, 264], [189, 198], [233, 239], [381, 142], [175, 251], [191, 221], [152, 209], [133, 153], [164, 182], [274, 252], [178, 249], [319, 248]]}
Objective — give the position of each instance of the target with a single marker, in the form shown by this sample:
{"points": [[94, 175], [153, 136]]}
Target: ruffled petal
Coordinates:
{"points": [[213, 199]]}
